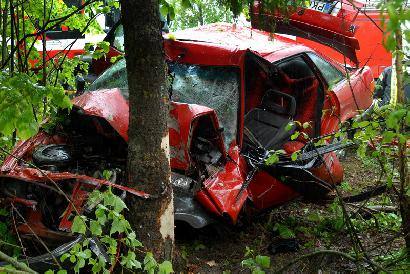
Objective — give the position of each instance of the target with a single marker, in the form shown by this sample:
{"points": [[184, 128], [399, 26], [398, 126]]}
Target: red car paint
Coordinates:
{"points": [[335, 31], [369, 34], [220, 191], [220, 194]]}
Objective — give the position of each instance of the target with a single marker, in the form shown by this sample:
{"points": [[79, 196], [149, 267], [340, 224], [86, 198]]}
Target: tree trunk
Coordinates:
{"points": [[44, 43], [403, 168], [148, 146], [4, 52], [11, 37], [201, 15]]}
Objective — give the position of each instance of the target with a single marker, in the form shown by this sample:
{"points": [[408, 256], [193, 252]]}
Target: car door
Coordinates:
{"points": [[298, 79], [354, 93]]}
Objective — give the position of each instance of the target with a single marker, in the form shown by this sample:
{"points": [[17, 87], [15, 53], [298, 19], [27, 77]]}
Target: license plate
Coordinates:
{"points": [[325, 7]]}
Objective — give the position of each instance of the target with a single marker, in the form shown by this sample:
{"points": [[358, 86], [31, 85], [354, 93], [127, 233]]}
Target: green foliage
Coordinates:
{"points": [[22, 103], [274, 156], [257, 264], [314, 225], [111, 228], [381, 221], [8, 241], [346, 186], [399, 259], [284, 231], [193, 13], [379, 137], [397, 14]]}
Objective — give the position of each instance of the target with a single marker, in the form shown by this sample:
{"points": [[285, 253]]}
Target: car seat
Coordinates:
{"points": [[306, 93], [265, 125]]}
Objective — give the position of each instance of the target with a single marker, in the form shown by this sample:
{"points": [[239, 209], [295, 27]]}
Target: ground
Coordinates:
{"points": [[310, 226]]}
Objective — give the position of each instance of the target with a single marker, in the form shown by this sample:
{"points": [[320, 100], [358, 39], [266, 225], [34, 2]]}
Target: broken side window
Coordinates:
{"points": [[214, 87], [114, 77], [119, 38]]}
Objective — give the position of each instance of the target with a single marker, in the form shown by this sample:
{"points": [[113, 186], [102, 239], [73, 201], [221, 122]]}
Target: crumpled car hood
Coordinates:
{"points": [[110, 105]]}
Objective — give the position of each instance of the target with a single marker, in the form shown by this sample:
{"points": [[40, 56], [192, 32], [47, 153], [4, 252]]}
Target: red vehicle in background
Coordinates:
{"points": [[367, 29], [63, 40]]}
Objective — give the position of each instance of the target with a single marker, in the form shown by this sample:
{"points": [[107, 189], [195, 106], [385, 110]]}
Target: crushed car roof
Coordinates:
{"points": [[236, 39]]}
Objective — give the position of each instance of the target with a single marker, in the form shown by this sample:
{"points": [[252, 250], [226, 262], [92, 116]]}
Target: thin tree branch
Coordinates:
{"points": [[15, 263]]}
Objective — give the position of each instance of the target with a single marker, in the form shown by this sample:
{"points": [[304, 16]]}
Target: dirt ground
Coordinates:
{"points": [[222, 248]]}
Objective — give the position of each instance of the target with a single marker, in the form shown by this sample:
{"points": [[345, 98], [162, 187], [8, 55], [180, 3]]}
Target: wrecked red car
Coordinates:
{"points": [[236, 95]]}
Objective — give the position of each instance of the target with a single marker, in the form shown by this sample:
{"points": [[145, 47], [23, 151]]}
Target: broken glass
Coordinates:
{"points": [[214, 87], [114, 77], [210, 86]]}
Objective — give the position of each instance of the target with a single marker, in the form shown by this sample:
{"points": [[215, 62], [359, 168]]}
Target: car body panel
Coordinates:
{"points": [[266, 191], [369, 33], [223, 189], [355, 94]]}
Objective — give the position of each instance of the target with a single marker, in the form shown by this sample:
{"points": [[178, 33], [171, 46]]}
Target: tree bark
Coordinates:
{"points": [[4, 32], [11, 37], [148, 146], [403, 167]]}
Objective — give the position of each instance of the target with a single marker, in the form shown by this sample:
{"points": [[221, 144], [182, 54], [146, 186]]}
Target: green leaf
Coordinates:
{"points": [[339, 223], [118, 204], [289, 126], [100, 214], [263, 261], [163, 10], [294, 156], [306, 125], [250, 262], [346, 186], [62, 271], [4, 212], [80, 264], [118, 225], [95, 228], [273, 158], [105, 46], [64, 257], [150, 264], [363, 124], [407, 119], [132, 241], [130, 261], [165, 267], [284, 231], [78, 225], [186, 4], [295, 135], [408, 191], [392, 121], [73, 259], [258, 271], [388, 136]]}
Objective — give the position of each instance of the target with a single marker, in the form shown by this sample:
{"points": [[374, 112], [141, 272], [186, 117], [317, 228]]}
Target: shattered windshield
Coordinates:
{"points": [[213, 87]]}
